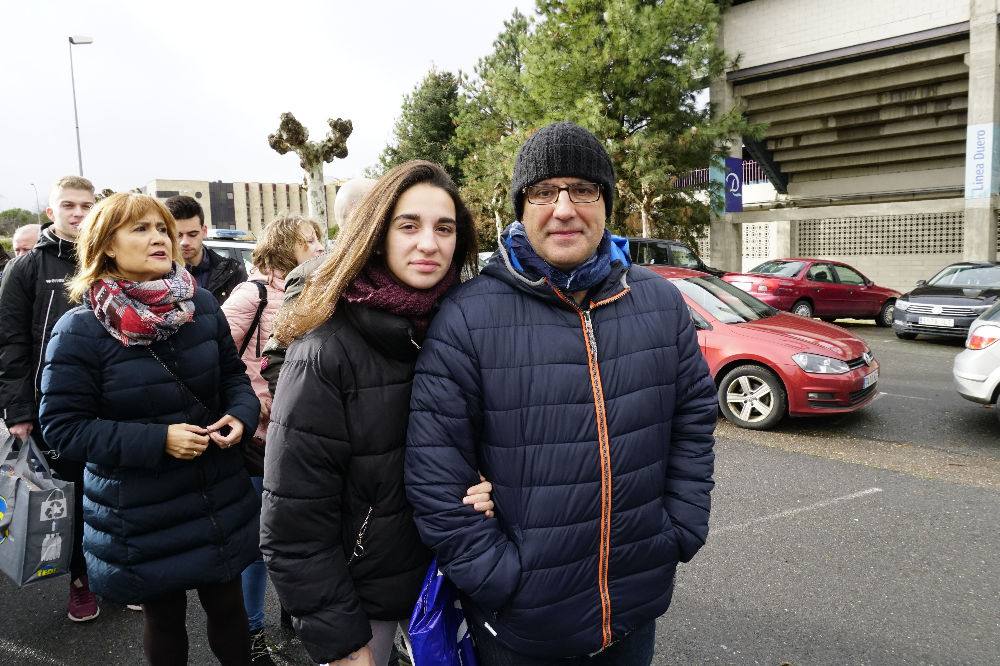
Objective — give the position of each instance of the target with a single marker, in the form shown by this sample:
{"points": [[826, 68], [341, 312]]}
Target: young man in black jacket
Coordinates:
{"points": [[211, 270], [32, 298]]}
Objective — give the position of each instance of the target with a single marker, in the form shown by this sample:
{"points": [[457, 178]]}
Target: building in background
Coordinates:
{"points": [[881, 137], [246, 206]]}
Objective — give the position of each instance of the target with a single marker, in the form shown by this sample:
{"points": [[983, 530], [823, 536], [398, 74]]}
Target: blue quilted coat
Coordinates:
{"points": [[595, 426], [154, 524]]}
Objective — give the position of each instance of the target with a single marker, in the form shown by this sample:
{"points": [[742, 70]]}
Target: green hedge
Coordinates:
{"points": [[7, 243]]}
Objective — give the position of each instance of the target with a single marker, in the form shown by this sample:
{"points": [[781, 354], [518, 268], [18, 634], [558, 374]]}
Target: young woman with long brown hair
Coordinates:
{"points": [[336, 529]]}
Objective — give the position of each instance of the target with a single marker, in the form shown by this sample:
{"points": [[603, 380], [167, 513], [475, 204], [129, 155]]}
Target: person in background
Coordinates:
{"points": [[348, 197], [211, 270], [336, 531], [32, 298], [142, 383], [25, 238], [285, 243], [574, 381], [22, 242]]}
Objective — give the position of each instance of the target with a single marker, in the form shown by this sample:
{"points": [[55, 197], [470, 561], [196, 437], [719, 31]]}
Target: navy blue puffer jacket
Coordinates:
{"points": [[594, 425], [154, 524]]}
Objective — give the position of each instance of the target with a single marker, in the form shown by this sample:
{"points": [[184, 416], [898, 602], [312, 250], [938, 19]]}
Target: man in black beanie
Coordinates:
{"points": [[573, 381]]}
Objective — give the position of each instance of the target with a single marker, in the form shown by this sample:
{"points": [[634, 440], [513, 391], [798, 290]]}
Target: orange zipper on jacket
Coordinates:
{"points": [[604, 447]]}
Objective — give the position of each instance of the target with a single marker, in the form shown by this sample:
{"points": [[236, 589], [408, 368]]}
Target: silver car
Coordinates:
{"points": [[977, 369]]}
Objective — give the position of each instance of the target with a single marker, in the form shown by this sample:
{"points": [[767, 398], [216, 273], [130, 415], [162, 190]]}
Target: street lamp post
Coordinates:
{"points": [[38, 208], [78, 40]]}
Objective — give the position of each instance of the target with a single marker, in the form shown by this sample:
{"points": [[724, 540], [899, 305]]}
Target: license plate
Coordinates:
{"points": [[870, 379], [745, 286], [936, 321]]}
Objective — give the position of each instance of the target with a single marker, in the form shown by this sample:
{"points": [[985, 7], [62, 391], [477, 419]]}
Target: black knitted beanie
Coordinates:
{"points": [[562, 150]]}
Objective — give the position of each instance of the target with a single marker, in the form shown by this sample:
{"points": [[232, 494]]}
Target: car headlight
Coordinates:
{"points": [[901, 305], [820, 365]]}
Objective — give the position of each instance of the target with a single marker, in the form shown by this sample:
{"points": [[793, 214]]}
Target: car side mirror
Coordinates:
{"points": [[921, 283]]}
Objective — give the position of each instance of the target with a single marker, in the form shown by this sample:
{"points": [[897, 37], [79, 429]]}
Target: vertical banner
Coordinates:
{"points": [[734, 185], [981, 168]]}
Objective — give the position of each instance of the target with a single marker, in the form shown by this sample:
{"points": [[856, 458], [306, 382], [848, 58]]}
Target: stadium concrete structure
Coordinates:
{"points": [[881, 133], [247, 206]]}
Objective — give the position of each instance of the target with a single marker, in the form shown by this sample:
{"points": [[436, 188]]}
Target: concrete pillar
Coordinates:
{"points": [[982, 151], [784, 239], [281, 199], [725, 236], [240, 206], [256, 215], [267, 197]]}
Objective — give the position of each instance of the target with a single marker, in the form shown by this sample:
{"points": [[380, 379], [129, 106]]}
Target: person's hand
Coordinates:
{"points": [[22, 430], [226, 436], [186, 441], [362, 657], [265, 407], [479, 497]]}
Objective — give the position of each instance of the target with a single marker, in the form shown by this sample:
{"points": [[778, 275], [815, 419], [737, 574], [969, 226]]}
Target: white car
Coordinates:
{"points": [[977, 369]]}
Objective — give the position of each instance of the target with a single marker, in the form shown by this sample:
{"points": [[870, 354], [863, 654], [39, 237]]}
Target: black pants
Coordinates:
{"points": [[69, 470], [636, 649], [164, 635]]}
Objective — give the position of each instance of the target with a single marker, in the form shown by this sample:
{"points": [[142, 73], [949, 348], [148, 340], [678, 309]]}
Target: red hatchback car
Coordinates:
{"points": [[817, 288], [767, 363]]}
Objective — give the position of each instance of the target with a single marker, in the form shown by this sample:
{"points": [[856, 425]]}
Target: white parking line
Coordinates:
{"points": [[900, 395], [23, 652], [795, 512]]}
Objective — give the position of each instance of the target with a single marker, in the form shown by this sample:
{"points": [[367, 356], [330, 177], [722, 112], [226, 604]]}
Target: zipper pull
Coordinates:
{"points": [[590, 330]]}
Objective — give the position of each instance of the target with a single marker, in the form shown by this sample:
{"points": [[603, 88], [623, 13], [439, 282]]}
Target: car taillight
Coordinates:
{"points": [[983, 337]]}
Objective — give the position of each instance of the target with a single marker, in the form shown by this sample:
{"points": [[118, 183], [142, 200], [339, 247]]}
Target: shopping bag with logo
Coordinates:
{"points": [[36, 515], [438, 631]]}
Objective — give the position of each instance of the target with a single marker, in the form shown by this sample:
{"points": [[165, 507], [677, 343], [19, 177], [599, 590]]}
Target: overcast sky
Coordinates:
{"points": [[191, 90]]}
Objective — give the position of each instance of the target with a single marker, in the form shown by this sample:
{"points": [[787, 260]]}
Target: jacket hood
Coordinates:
{"points": [[49, 242], [504, 266]]}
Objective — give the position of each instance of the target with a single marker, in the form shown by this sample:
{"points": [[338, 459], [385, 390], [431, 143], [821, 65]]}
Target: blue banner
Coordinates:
{"points": [[733, 185]]}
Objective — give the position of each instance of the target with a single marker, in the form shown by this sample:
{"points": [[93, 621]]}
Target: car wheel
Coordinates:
{"points": [[884, 318], [752, 397], [803, 309], [906, 336]]}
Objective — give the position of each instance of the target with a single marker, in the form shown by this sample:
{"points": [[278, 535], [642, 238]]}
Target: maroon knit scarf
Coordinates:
{"points": [[375, 287]]}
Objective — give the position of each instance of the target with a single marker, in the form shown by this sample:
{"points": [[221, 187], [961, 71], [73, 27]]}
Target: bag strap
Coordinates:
{"points": [[178, 379], [255, 324], [28, 447]]}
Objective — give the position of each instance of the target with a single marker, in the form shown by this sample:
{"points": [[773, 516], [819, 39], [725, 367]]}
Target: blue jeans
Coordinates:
{"points": [[255, 577], [635, 649]]}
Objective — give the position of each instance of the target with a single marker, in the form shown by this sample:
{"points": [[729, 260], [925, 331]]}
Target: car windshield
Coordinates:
{"points": [[966, 275], [728, 304], [779, 268]]}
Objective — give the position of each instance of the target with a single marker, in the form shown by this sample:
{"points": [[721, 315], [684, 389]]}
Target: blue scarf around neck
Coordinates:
{"points": [[584, 277]]}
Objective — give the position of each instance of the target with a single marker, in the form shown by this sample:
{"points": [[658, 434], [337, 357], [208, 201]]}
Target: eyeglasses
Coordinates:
{"points": [[548, 194]]}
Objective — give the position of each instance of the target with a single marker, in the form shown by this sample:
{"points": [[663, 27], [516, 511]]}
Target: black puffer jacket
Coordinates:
{"points": [[335, 453], [32, 298], [226, 273], [154, 524]]}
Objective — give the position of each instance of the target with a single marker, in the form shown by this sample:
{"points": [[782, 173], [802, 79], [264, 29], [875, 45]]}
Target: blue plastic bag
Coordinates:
{"points": [[439, 634]]}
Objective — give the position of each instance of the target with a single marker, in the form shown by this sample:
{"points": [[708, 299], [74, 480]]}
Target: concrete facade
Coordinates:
{"points": [[877, 115], [250, 205], [766, 31]]}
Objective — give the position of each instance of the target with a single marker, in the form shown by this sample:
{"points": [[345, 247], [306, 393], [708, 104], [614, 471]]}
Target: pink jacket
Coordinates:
{"points": [[239, 309]]}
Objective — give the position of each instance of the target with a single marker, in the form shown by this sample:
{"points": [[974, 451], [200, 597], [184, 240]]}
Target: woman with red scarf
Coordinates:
{"points": [[337, 532], [143, 384]]}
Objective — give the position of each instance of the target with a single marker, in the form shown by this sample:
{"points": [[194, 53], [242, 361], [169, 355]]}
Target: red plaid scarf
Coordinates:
{"points": [[140, 313]]}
